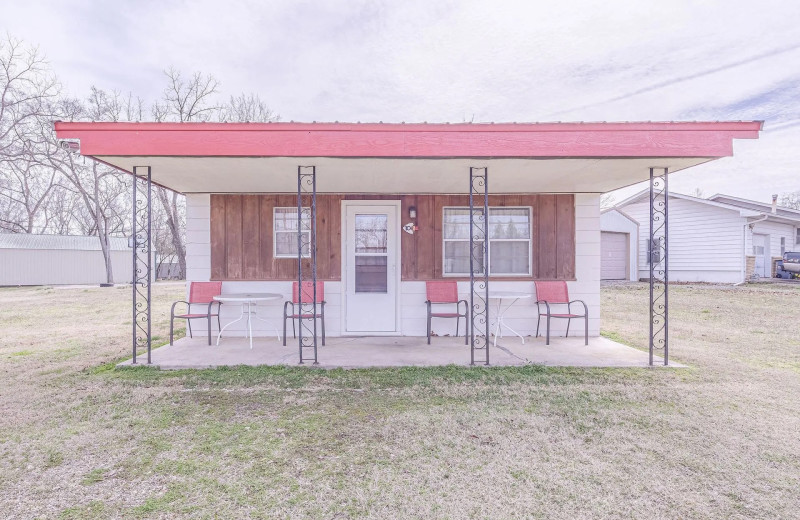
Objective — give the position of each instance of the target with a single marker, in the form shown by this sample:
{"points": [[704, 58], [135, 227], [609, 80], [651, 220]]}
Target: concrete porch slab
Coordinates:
{"points": [[375, 352]]}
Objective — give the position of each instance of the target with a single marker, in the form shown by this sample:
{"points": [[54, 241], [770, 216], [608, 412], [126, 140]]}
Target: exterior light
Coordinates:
{"points": [[412, 212]]}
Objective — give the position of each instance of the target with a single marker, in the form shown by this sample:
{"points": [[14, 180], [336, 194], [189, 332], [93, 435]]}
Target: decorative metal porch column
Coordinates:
{"points": [[658, 249], [141, 231], [307, 243], [478, 265]]}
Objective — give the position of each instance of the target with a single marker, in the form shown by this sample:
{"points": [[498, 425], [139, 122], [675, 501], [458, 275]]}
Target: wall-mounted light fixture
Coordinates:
{"points": [[412, 212]]}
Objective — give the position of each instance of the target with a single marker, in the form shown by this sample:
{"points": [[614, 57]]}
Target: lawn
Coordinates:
{"points": [[720, 439]]}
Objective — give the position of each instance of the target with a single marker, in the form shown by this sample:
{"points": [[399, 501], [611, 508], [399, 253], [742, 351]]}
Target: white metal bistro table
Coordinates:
{"points": [[499, 323], [248, 301]]}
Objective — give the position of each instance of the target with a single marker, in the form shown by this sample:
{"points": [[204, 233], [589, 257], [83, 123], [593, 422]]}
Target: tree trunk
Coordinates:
{"points": [[170, 205]]}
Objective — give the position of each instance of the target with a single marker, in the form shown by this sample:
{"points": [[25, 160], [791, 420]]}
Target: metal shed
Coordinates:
{"points": [[61, 260]]}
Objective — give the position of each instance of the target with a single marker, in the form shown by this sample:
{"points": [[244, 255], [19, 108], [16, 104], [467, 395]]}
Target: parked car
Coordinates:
{"points": [[791, 261], [789, 267]]}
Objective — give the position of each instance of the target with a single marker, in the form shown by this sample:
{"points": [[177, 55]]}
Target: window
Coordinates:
{"points": [[654, 251], [284, 227], [783, 245], [797, 237], [509, 242]]}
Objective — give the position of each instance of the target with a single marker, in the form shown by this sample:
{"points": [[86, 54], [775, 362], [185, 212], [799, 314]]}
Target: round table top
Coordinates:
{"points": [[502, 295], [247, 297]]}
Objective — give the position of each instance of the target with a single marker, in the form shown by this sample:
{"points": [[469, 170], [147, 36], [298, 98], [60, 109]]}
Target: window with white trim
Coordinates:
{"points": [[509, 242], [284, 232], [797, 237], [783, 245]]}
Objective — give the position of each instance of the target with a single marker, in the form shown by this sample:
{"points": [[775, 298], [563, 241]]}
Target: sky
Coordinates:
{"points": [[455, 61]]}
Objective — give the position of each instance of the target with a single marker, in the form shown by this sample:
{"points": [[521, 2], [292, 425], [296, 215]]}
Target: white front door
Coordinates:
{"points": [[760, 251], [370, 270]]}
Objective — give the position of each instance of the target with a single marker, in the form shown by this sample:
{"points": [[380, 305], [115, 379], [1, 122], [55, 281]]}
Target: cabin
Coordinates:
{"points": [[374, 211]]}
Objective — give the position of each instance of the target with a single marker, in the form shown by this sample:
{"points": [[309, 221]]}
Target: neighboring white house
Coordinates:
{"points": [[720, 239], [60, 260]]}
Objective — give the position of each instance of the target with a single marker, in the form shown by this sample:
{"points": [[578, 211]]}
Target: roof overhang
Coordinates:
{"points": [[404, 158]]}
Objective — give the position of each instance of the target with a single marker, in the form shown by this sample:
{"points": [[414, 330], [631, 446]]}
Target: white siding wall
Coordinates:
{"points": [[705, 242], [775, 231], [62, 267], [521, 316]]}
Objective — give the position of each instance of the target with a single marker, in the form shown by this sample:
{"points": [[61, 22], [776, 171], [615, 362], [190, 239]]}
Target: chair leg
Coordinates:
{"points": [[466, 331], [586, 330], [284, 328], [209, 329], [547, 341], [294, 330], [429, 328], [189, 323], [568, 322], [171, 329], [323, 325]]}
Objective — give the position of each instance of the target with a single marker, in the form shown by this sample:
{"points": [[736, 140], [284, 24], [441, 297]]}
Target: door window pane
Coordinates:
{"points": [[371, 234], [371, 274]]}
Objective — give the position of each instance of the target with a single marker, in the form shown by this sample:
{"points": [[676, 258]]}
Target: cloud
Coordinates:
{"points": [[455, 60]]}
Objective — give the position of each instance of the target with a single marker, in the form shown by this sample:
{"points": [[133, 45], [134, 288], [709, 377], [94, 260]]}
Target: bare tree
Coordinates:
{"points": [[607, 201], [27, 93], [27, 90], [101, 189], [790, 200], [247, 109]]}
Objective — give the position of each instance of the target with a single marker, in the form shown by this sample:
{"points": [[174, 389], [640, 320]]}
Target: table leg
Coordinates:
{"points": [[277, 333], [249, 324], [240, 318], [500, 323]]}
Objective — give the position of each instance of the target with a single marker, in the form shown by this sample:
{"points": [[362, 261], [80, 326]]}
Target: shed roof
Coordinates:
{"points": [[59, 242]]}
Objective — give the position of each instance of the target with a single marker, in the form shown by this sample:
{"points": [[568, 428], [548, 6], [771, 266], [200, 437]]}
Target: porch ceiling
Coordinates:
{"points": [[379, 175]]}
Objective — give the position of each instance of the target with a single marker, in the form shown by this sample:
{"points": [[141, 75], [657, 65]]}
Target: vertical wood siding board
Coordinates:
{"points": [[547, 237], [251, 237], [533, 201], [426, 239], [218, 236], [565, 224], [265, 217], [438, 205], [335, 267], [233, 227]]}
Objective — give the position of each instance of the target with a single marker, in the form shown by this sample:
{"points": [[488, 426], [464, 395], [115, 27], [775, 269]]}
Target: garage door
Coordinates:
{"points": [[614, 256]]}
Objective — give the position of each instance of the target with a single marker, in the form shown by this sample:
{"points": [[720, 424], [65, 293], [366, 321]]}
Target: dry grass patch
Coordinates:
{"points": [[79, 439]]}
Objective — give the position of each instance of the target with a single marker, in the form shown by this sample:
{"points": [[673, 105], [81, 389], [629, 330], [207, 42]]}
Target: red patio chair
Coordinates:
{"points": [[200, 293], [445, 292], [556, 293], [308, 296]]}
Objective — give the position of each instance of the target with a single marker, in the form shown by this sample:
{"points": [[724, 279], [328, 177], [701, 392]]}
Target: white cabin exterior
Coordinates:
{"points": [[721, 239]]}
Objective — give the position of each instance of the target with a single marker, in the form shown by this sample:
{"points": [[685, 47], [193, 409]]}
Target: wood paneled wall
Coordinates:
{"points": [[242, 248]]}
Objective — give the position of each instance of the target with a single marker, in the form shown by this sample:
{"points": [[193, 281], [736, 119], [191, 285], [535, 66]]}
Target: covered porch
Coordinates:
{"points": [[269, 205], [382, 352]]}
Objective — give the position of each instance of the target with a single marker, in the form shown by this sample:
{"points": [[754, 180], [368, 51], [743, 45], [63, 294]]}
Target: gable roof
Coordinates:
{"points": [[59, 242], [744, 210], [755, 205]]}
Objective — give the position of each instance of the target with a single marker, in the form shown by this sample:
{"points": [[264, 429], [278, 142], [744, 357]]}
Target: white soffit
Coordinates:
{"points": [[382, 175]]}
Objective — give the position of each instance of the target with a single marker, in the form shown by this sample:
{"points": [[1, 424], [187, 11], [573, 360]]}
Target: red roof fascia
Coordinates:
{"points": [[670, 139]]}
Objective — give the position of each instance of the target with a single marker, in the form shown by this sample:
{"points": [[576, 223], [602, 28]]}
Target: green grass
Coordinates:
{"points": [[81, 438]]}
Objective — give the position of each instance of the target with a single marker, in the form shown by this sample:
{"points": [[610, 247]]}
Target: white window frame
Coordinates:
{"points": [[783, 245], [275, 232], [489, 241]]}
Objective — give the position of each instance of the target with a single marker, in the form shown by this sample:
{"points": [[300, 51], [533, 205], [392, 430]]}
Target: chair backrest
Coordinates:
{"points": [[442, 291], [204, 292], [308, 292], [552, 292]]}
